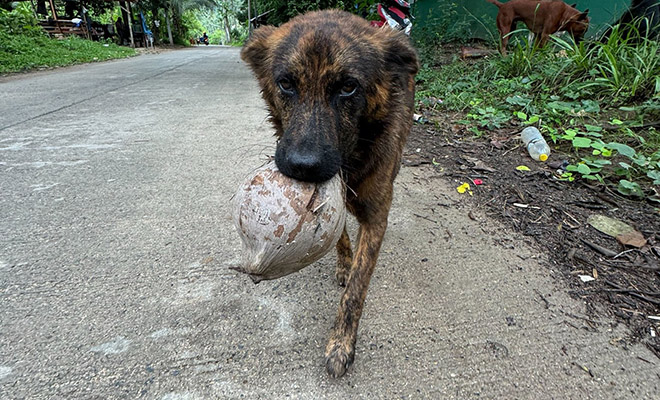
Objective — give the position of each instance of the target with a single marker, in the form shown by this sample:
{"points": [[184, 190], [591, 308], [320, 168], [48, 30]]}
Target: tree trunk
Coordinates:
{"points": [[130, 23], [225, 21], [169, 29], [156, 29]]}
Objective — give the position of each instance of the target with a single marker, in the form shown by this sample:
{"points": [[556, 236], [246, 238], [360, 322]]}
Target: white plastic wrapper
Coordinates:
{"points": [[286, 224]]}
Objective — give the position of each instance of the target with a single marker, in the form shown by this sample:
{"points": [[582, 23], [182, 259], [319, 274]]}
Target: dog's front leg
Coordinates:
{"points": [[340, 350], [344, 258], [542, 39]]}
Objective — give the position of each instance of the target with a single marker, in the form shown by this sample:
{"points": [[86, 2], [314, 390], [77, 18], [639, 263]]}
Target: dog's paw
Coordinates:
{"points": [[338, 358], [341, 274]]}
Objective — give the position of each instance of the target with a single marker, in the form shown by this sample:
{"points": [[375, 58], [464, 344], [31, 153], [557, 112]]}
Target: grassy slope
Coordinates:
{"points": [[25, 52]]}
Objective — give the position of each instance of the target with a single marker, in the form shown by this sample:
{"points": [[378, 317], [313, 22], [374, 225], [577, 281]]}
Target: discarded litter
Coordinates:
{"points": [[523, 168], [536, 146], [477, 181], [420, 119], [465, 187], [586, 278]]}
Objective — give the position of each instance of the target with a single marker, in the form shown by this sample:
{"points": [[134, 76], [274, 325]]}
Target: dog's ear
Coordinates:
{"points": [[574, 5], [583, 15], [401, 55], [256, 49]]}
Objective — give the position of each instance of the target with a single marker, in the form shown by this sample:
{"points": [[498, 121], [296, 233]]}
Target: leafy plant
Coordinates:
{"points": [[598, 101]]}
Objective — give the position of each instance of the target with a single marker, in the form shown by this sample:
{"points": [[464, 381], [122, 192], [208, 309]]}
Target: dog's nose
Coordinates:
{"points": [[307, 163], [305, 166]]}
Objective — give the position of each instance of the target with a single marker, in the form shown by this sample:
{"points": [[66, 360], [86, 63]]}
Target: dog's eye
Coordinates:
{"points": [[349, 88], [286, 86]]}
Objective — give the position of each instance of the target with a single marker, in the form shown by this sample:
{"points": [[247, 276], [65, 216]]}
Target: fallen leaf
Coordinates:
{"points": [[609, 226], [523, 168], [497, 144], [481, 166], [634, 238]]}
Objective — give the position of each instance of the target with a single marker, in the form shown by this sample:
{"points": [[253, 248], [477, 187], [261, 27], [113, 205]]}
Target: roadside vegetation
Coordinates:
{"points": [[597, 103], [24, 46]]}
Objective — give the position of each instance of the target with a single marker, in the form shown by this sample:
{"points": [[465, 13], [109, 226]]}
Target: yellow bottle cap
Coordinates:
{"points": [[543, 157]]}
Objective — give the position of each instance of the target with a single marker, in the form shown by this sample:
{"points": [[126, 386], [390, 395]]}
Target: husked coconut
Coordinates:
{"points": [[286, 224]]}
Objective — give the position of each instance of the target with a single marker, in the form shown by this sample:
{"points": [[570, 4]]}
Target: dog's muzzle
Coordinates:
{"points": [[307, 165]]}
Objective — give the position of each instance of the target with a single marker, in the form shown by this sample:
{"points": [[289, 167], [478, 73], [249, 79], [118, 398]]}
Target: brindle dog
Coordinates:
{"points": [[340, 94]]}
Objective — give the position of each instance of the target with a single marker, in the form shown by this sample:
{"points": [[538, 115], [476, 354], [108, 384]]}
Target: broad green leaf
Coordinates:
{"points": [[640, 160], [590, 106], [593, 128], [630, 188], [583, 169], [561, 106], [518, 100], [655, 175], [599, 163], [569, 134], [581, 142], [622, 149]]}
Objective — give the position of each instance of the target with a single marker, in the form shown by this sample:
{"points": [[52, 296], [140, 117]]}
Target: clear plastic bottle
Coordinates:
{"points": [[536, 146]]}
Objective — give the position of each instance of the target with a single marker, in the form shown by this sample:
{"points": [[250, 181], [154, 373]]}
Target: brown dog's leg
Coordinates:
{"points": [[505, 25], [542, 39], [340, 350], [344, 258]]}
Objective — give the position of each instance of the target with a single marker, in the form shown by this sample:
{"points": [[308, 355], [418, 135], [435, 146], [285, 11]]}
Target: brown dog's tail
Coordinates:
{"points": [[497, 3]]}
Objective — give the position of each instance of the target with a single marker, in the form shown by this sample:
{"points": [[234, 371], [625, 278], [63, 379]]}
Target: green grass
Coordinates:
{"points": [[599, 102], [22, 53], [23, 45]]}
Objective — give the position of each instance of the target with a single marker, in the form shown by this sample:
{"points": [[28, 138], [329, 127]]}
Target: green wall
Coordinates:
{"points": [[479, 16]]}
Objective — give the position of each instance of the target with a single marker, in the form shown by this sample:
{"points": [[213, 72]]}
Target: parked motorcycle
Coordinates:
{"points": [[203, 40], [396, 14]]}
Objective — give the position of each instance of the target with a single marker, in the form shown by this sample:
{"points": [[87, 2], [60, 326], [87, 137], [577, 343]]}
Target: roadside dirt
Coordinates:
{"points": [[553, 214]]}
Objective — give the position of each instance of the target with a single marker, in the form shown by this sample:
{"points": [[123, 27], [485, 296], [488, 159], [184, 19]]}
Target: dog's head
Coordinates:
{"points": [[578, 24], [325, 77]]}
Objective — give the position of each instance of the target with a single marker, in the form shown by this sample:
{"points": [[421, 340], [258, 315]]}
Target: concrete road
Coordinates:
{"points": [[115, 238]]}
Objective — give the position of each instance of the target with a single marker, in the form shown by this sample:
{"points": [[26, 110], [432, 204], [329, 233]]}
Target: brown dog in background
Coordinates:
{"points": [[341, 96], [542, 18]]}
